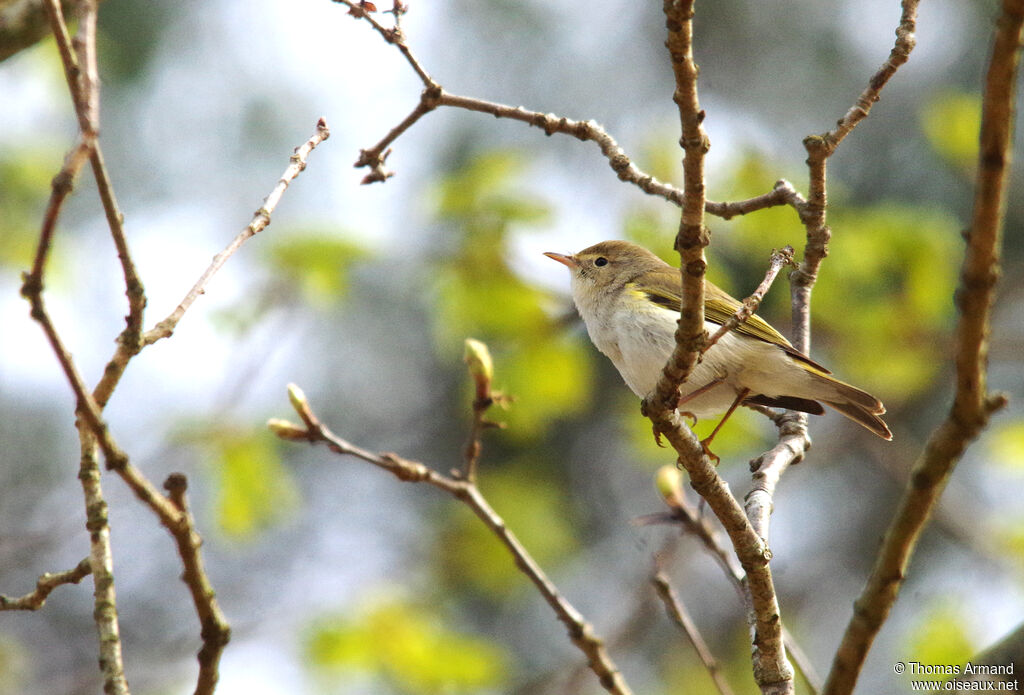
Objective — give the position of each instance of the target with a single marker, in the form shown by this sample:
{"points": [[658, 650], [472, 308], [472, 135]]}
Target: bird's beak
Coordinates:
{"points": [[569, 261]]}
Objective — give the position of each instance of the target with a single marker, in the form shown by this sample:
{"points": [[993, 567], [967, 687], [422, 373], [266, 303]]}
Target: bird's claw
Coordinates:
{"points": [[657, 436], [705, 445]]}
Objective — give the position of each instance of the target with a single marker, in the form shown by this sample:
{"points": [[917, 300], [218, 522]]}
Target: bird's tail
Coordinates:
{"points": [[859, 406]]}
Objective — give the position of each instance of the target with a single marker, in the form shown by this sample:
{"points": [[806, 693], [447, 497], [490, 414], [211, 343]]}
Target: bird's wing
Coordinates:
{"points": [[663, 288]]}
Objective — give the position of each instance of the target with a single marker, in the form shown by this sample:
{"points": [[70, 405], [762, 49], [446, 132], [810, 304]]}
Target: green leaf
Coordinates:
{"points": [[408, 645]]}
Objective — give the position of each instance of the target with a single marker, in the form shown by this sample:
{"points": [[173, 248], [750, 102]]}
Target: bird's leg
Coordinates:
{"points": [[699, 392], [683, 399], [706, 442]]}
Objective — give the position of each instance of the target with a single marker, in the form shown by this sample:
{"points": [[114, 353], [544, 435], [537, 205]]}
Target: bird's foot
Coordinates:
{"points": [[705, 445]]}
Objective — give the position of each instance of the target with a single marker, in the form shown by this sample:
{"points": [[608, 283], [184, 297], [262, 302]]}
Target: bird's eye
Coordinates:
{"points": [[600, 261]]}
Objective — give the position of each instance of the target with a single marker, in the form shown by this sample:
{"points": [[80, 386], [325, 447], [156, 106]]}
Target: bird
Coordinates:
{"points": [[629, 300]]}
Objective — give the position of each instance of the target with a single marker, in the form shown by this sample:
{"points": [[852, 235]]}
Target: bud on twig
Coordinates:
{"points": [[301, 405], [287, 430], [481, 367], [669, 481]]}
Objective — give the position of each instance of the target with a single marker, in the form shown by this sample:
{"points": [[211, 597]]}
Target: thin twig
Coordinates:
{"points": [[214, 630], [580, 631], [782, 193], [392, 35], [779, 260], [130, 341], [35, 600], [434, 95], [696, 524], [820, 148], [83, 83], [772, 671], [678, 613], [260, 220], [972, 402]]}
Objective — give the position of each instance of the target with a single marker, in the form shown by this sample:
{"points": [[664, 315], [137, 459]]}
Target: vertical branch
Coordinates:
{"points": [[101, 561], [819, 149], [772, 671], [972, 403], [693, 236]]}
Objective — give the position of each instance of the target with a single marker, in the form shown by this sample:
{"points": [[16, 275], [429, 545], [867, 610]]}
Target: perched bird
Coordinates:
{"points": [[630, 301]]}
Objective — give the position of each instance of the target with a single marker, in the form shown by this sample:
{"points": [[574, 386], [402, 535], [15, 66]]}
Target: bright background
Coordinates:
{"points": [[335, 577]]}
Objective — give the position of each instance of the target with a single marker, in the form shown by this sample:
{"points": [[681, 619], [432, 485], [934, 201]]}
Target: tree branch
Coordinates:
{"points": [[669, 483], [972, 403], [779, 260], [214, 628], [681, 617], [820, 148], [772, 671], [580, 631], [35, 600], [259, 222]]}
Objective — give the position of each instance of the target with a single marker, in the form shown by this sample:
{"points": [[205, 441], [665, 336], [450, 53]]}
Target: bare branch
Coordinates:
{"points": [[215, 630], [696, 524], [580, 631], [972, 402], [782, 193], [392, 35], [693, 235], [779, 260], [819, 149], [678, 613], [260, 220], [772, 671], [35, 600]]}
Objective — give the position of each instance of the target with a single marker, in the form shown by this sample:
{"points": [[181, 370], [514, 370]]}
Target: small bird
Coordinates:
{"points": [[630, 301]]}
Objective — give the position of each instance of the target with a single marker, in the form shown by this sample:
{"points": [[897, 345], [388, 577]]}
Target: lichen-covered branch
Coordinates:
{"points": [[34, 600]]}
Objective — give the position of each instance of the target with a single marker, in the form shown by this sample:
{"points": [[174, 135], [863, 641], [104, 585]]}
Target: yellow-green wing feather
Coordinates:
{"points": [[663, 287]]}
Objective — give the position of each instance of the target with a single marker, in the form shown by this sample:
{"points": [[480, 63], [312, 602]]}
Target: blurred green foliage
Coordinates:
{"points": [[310, 267], [479, 294], [533, 504], [313, 264], [406, 646], [24, 189], [951, 121], [941, 636], [253, 489], [1006, 443]]}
